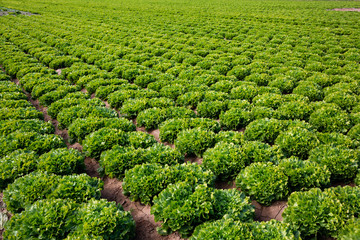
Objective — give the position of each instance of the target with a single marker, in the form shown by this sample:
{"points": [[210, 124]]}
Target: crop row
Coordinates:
{"points": [[290, 83], [44, 182], [224, 204], [297, 140]]}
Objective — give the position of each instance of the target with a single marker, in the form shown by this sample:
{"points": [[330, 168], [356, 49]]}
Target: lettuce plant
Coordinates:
{"points": [[116, 161], [264, 130], [61, 161], [82, 127], [15, 165], [342, 162], [297, 141], [26, 190], [304, 175], [330, 119], [143, 182], [230, 229], [104, 139], [26, 125], [195, 141], [263, 182], [225, 160], [235, 118]]}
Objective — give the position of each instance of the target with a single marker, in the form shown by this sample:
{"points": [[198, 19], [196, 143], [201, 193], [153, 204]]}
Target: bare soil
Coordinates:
{"points": [[346, 9], [4, 13], [3, 211]]}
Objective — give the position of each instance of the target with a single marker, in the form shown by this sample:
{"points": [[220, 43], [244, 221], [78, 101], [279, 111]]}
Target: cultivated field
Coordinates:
{"points": [[179, 119]]}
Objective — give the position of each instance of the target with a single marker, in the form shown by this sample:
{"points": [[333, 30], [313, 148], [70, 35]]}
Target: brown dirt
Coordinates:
{"points": [[92, 167], [224, 185], [106, 104], [3, 210], [4, 13], [84, 90], [346, 9], [76, 146], [156, 134], [193, 159], [266, 213]]}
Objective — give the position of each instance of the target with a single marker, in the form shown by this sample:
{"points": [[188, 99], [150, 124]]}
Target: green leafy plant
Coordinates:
{"points": [[15, 165], [321, 213], [263, 182], [255, 151], [82, 127], [103, 139], [31, 141], [344, 100], [230, 137], [145, 181], [309, 89], [264, 130], [141, 139], [26, 125], [245, 92], [230, 229], [270, 100], [258, 112], [190, 99], [337, 139], [61, 161], [26, 190], [15, 104], [194, 141], [20, 113], [182, 207], [42, 220], [297, 141], [342, 162], [57, 94], [131, 107], [104, 219], [284, 83], [96, 83], [151, 118], [225, 160], [235, 118], [55, 108], [330, 119], [354, 132], [116, 161], [169, 129], [350, 231], [69, 115], [304, 175], [300, 110]]}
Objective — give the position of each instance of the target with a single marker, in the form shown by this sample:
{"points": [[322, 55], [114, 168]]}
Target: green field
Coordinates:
{"points": [[200, 119]]}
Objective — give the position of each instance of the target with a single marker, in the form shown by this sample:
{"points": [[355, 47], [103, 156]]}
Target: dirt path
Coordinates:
{"points": [[346, 9]]}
